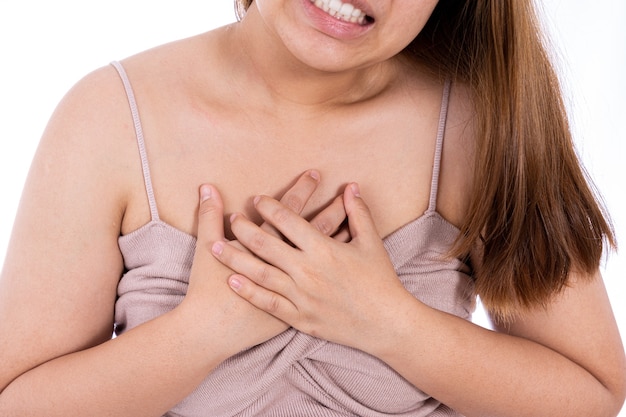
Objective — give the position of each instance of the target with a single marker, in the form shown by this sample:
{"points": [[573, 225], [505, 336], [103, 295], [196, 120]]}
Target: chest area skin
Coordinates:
{"points": [[385, 145]]}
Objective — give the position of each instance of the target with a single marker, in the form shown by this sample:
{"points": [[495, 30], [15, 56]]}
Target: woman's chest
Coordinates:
{"points": [[389, 155]]}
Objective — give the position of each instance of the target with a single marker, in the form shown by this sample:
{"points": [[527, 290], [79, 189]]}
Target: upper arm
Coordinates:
{"points": [[579, 324], [58, 283]]}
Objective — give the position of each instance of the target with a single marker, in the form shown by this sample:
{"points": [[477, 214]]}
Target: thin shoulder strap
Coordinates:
{"points": [[140, 141], [443, 115]]}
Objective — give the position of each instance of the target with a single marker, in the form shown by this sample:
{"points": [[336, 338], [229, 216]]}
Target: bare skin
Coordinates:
{"points": [[230, 108]]}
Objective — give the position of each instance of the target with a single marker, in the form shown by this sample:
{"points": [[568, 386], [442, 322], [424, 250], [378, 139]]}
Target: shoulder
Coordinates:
{"points": [[87, 156], [91, 132], [92, 128], [92, 100]]}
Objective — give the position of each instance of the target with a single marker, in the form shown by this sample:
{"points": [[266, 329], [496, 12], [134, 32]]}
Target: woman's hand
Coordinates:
{"points": [[337, 290], [240, 324]]}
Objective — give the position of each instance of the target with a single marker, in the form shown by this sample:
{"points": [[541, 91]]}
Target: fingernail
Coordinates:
{"points": [[233, 217], [314, 174], [205, 192], [354, 187], [217, 248], [234, 283], [256, 199]]}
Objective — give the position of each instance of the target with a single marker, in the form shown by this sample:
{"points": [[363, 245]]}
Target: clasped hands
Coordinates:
{"points": [[329, 281]]}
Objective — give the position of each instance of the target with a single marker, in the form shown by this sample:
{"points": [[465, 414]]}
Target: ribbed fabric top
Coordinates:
{"points": [[294, 374]]}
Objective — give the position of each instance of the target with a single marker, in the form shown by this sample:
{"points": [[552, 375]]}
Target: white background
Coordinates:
{"points": [[46, 46]]}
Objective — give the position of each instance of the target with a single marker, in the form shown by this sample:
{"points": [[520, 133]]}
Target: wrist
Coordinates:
{"points": [[399, 322]]}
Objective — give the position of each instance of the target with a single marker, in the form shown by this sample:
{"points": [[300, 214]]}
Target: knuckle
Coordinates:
{"points": [[273, 304], [324, 226], [281, 215], [364, 209], [207, 208], [294, 203], [258, 242], [262, 275]]}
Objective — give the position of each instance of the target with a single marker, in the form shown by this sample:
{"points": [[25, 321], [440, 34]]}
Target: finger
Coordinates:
{"points": [[297, 196], [210, 216], [360, 219], [260, 272], [268, 301], [294, 228], [343, 235], [265, 245], [330, 220]]}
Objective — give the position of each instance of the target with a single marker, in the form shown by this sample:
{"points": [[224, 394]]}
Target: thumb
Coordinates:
{"points": [[210, 215], [360, 219]]}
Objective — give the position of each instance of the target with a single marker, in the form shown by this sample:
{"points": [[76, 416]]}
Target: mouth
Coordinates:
{"points": [[346, 12]]}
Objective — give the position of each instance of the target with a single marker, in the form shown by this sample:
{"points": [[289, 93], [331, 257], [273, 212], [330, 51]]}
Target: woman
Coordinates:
{"points": [[349, 323]]}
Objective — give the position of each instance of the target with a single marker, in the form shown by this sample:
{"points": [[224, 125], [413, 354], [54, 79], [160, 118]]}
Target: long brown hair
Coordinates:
{"points": [[534, 216]]}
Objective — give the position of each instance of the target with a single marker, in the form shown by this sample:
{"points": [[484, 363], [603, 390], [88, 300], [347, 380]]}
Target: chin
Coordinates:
{"points": [[327, 58]]}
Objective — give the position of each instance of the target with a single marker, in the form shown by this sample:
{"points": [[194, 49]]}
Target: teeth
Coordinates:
{"points": [[342, 11]]}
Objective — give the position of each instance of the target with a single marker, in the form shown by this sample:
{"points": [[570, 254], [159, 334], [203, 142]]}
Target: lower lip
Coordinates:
{"points": [[332, 26]]}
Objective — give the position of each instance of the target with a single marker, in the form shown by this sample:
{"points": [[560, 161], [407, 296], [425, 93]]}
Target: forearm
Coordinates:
{"points": [[144, 372], [483, 373]]}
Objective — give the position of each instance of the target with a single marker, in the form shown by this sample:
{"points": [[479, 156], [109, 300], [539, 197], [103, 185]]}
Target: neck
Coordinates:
{"points": [[265, 68]]}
